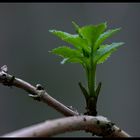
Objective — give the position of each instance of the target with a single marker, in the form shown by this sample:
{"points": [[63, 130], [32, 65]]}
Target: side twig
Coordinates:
{"points": [[98, 125], [39, 93]]}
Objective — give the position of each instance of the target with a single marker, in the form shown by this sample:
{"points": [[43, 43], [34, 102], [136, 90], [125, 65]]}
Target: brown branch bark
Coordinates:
{"points": [[98, 125], [9, 80]]}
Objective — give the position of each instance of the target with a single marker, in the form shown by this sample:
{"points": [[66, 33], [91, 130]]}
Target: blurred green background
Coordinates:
{"points": [[24, 45]]}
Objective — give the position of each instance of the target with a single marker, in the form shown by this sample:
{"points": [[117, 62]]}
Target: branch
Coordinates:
{"points": [[37, 92], [98, 125]]}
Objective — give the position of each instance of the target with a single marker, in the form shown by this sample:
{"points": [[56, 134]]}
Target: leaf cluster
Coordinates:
{"points": [[87, 43], [88, 50]]}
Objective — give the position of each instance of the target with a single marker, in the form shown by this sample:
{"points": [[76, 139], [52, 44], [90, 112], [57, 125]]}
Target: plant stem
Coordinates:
{"points": [[91, 80], [92, 99], [92, 76]]}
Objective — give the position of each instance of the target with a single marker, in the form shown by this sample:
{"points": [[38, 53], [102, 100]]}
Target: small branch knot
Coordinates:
{"points": [[107, 128], [39, 87], [4, 68], [41, 91], [4, 79], [72, 108]]}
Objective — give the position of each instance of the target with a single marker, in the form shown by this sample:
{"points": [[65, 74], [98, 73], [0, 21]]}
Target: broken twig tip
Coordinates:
{"points": [[4, 68]]}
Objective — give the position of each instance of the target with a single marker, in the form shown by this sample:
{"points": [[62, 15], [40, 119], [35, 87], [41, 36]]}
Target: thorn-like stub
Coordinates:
{"points": [[72, 108], [6, 79], [35, 97], [4, 68], [39, 87], [38, 96]]}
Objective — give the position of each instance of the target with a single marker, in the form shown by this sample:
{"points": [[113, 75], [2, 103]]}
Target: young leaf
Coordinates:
{"points": [[72, 60], [66, 52], [98, 89], [104, 58], [105, 51], [69, 55], [84, 91], [104, 36], [75, 26], [75, 40], [92, 32]]}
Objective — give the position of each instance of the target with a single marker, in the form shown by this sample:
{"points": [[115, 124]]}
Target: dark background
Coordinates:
{"points": [[24, 45]]}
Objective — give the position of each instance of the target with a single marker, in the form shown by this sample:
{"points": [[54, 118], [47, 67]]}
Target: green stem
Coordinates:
{"points": [[91, 81], [92, 76]]}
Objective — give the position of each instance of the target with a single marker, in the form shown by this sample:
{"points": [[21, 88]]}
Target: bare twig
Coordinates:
{"points": [[98, 125], [9, 80]]}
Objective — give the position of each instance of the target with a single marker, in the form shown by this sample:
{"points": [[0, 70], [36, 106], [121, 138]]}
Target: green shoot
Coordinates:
{"points": [[88, 50]]}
